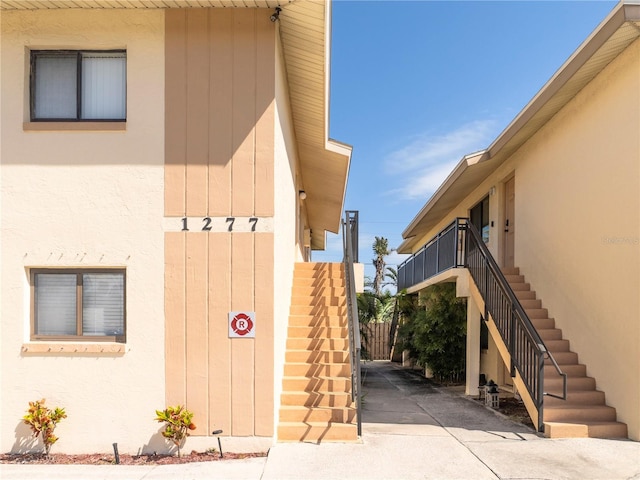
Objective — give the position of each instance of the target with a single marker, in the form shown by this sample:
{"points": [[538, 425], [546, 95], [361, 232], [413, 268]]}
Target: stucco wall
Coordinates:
{"points": [[578, 236], [287, 250], [89, 198], [577, 239]]}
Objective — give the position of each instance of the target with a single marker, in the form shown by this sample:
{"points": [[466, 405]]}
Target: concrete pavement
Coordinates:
{"points": [[411, 430]]}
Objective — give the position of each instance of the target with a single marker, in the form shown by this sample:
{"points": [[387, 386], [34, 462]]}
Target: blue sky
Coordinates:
{"points": [[415, 85]]}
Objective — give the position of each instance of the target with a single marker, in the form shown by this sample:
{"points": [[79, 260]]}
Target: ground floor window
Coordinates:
{"points": [[86, 304]]}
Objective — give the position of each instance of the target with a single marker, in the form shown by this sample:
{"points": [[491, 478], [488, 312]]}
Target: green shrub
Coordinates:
{"points": [[42, 420], [178, 421], [434, 331]]}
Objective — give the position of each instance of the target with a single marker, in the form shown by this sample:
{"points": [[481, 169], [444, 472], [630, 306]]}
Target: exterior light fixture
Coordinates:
{"points": [[276, 15], [218, 432]]}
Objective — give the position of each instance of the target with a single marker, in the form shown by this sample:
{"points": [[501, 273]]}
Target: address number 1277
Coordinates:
{"points": [[209, 223]]}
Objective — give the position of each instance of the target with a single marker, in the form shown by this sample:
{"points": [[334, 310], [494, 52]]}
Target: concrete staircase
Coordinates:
{"points": [[316, 403], [584, 413]]}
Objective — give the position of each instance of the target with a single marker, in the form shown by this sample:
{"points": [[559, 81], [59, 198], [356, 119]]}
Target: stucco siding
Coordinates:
{"points": [[84, 199], [286, 219], [578, 236]]}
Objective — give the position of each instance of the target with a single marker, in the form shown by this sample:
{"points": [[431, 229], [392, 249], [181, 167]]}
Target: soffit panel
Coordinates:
{"points": [[55, 4]]}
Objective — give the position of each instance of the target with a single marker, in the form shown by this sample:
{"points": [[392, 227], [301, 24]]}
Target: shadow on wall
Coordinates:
{"points": [[25, 441], [158, 444]]}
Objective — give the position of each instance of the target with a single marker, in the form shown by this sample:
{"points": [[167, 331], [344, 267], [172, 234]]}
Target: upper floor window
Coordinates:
{"points": [[85, 304], [78, 85]]}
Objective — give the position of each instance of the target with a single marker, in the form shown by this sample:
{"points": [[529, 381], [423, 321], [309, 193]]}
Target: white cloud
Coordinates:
{"points": [[428, 159]]}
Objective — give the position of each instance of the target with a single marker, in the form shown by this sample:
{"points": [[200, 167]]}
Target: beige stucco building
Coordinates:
{"points": [[556, 201], [163, 167]]}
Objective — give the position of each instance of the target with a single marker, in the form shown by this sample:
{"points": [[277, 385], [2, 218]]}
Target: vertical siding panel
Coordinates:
{"points": [[244, 115], [196, 326], [265, 95], [197, 111], [221, 110], [242, 349], [219, 342], [174, 310], [264, 334], [176, 113]]}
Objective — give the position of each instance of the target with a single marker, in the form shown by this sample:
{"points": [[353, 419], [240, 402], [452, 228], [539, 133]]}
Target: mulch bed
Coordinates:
{"points": [[109, 459]]}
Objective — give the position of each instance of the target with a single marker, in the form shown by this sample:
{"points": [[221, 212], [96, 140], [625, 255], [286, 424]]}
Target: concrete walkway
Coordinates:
{"points": [[411, 430]]}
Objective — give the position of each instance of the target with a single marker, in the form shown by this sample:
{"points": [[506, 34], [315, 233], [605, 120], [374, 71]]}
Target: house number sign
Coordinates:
{"points": [[218, 224]]}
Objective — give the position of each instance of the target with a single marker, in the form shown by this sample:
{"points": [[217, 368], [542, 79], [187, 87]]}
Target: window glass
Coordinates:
{"points": [[78, 85], [103, 304], [79, 303], [104, 81], [56, 86], [55, 304]]}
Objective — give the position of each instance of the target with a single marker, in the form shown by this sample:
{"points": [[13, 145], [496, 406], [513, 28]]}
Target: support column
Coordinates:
{"points": [[473, 347]]}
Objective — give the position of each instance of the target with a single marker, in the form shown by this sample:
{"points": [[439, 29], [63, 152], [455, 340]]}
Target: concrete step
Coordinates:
{"points": [[316, 384], [318, 321], [318, 282], [563, 358], [318, 291], [317, 399], [317, 310], [537, 313], [514, 277], [570, 412], [317, 370], [317, 432], [525, 294], [572, 370], [311, 356], [543, 323], [321, 344], [578, 397], [531, 303], [328, 300], [519, 287], [557, 345], [510, 270], [318, 332], [550, 334], [585, 430], [289, 413], [553, 383]]}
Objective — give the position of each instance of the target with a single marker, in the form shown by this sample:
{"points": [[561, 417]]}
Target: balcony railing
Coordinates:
{"points": [[441, 253]]}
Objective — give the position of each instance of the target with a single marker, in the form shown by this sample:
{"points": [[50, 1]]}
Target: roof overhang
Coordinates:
{"points": [[611, 37], [305, 32]]}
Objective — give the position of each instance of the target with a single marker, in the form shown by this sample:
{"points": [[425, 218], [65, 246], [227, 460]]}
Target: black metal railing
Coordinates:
{"points": [[349, 226], [526, 348], [441, 253], [460, 245]]}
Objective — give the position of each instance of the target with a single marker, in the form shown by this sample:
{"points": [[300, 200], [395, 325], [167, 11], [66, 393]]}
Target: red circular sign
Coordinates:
{"points": [[241, 324]]}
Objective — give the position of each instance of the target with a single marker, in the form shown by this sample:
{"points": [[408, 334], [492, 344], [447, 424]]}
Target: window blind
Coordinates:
{"points": [[55, 304]]}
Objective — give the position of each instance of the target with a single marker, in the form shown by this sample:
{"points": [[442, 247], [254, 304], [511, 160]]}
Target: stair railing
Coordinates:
{"points": [[459, 245], [349, 226], [526, 348]]}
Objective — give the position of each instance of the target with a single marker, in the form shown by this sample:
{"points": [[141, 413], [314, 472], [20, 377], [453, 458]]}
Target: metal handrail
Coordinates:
{"points": [[355, 346], [515, 326]]}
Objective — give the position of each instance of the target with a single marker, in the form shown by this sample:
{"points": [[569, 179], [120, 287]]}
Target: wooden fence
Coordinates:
{"points": [[375, 339]]}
